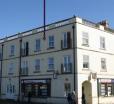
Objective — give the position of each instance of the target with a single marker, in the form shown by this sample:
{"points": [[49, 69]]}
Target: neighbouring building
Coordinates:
{"points": [[77, 55]]}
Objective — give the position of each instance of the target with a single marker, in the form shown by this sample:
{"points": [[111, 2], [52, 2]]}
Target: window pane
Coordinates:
{"points": [[85, 38], [50, 63], [102, 42], [103, 63], [65, 40], [12, 50], [38, 44], [51, 41], [37, 64], [67, 66], [85, 61]]}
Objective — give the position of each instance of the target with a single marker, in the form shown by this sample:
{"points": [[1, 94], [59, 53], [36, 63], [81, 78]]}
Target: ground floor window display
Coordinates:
{"points": [[106, 87], [37, 87]]}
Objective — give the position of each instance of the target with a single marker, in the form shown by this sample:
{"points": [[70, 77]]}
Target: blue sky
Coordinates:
{"points": [[21, 15]]}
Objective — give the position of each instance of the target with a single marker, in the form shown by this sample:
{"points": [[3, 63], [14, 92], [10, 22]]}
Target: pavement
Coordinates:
{"points": [[14, 102]]}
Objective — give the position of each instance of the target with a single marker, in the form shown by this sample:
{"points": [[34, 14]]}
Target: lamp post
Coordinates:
{"points": [[44, 15]]}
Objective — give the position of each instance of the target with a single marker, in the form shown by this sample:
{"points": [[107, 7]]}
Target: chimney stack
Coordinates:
{"points": [[104, 23]]}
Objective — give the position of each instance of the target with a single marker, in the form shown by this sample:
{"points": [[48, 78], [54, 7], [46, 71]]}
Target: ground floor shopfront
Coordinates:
{"points": [[42, 88], [97, 90], [48, 89]]}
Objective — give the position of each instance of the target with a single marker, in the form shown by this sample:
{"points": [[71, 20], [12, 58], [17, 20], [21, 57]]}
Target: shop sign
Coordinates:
{"points": [[105, 80], [34, 81]]}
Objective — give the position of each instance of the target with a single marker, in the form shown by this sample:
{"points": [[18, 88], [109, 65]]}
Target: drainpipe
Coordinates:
{"points": [[20, 69], [1, 71], [73, 27], [75, 59]]}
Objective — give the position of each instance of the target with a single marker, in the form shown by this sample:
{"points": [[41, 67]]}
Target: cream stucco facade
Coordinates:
{"points": [[76, 55]]}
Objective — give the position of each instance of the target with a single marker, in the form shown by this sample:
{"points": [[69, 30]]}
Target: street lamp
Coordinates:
{"points": [[44, 15]]}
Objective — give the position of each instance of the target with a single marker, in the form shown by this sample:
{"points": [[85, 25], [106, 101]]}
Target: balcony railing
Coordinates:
{"points": [[66, 68], [24, 71]]}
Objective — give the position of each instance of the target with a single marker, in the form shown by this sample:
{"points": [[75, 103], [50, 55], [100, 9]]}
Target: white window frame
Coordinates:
{"points": [[85, 39], [12, 50], [103, 64], [102, 43], [37, 44], [65, 44], [85, 62], [11, 68], [51, 63], [24, 67], [66, 63], [10, 88], [37, 64], [51, 41]]}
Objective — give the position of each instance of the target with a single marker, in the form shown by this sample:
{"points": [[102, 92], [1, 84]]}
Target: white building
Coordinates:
{"points": [[76, 55]]}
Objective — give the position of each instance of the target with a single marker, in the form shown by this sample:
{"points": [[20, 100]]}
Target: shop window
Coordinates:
{"points": [[27, 89], [43, 90], [35, 90], [106, 89], [39, 89]]}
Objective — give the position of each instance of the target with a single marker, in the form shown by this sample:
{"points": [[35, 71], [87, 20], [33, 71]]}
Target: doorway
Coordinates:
{"points": [[87, 92], [10, 91]]}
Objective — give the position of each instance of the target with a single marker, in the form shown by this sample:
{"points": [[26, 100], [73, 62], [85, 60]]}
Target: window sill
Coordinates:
{"points": [[11, 55], [102, 48], [85, 69], [103, 70], [10, 73], [50, 48], [66, 48], [37, 50], [38, 71], [50, 70], [23, 75], [86, 45], [66, 72], [24, 55]]}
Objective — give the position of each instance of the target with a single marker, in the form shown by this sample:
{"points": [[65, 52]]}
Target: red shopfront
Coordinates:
{"points": [[37, 87]]}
